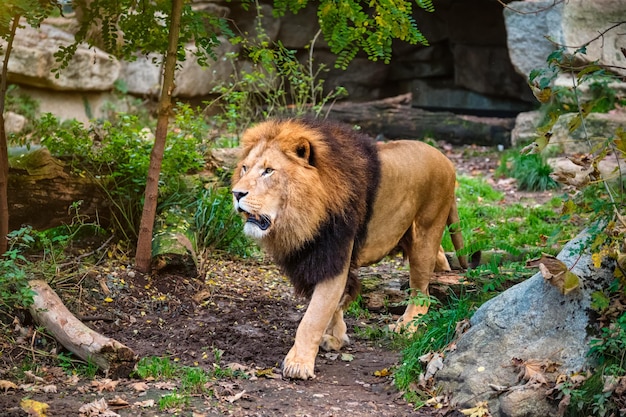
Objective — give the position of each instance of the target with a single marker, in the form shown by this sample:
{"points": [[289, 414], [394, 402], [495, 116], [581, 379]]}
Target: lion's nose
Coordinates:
{"points": [[239, 194]]}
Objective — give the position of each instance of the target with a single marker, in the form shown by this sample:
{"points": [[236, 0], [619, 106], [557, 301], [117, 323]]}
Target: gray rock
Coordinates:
{"points": [[527, 25], [531, 320], [32, 60]]}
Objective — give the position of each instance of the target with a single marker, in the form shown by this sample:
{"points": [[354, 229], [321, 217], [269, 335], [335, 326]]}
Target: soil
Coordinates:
{"points": [[243, 309]]}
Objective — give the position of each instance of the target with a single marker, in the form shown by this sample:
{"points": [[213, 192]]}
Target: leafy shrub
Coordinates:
{"points": [[217, 224], [14, 288], [531, 172]]}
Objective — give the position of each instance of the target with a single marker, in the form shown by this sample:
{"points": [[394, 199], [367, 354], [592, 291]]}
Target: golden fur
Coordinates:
{"points": [[323, 199]]}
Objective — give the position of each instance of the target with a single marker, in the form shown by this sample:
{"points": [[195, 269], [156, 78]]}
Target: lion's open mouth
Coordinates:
{"points": [[263, 222]]}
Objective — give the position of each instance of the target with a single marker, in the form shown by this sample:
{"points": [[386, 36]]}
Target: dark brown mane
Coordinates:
{"points": [[353, 157]]}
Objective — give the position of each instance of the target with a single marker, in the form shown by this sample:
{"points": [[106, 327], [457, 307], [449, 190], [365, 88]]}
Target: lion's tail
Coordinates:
{"points": [[454, 227]]}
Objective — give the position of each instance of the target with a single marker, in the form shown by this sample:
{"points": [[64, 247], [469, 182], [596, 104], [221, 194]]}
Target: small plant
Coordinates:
{"points": [[14, 289], [157, 368], [217, 224], [280, 84], [174, 401], [357, 309], [434, 331], [531, 172], [193, 380], [74, 366]]}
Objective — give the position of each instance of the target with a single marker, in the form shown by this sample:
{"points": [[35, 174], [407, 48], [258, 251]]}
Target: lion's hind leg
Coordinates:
{"points": [[423, 249], [335, 336]]}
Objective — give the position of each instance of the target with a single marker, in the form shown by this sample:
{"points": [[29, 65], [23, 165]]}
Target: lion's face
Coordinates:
{"points": [[277, 189]]}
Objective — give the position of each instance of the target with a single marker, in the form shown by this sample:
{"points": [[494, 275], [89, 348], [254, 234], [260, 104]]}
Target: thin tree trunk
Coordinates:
{"points": [[4, 153], [143, 256]]}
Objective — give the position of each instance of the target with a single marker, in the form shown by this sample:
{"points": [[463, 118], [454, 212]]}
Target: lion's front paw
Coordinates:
{"points": [[298, 367], [330, 342]]}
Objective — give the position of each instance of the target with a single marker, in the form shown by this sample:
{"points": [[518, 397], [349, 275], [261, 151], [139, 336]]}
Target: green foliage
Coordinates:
{"points": [[14, 289], [348, 27], [20, 103], [127, 29], [73, 366], [217, 225], [278, 85], [435, 330], [532, 172], [33, 11], [489, 224], [121, 156]]}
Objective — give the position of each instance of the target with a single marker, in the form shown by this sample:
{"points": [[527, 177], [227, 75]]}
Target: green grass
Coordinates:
{"points": [[488, 223]]}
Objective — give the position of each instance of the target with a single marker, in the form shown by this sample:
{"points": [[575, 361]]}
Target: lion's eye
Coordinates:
{"points": [[268, 171], [243, 169]]}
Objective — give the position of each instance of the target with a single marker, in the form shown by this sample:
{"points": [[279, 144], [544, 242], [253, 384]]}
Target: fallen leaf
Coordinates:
{"points": [[267, 373], [145, 404], [232, 398], [165, 385], [139, 386], [49, 388], [382, 373], [34, 408], [556, 273], [534, 371], [7, 385], [480, 410], [105, 384], [97, 408], [31, 377], [118, 402], [347, 357]]}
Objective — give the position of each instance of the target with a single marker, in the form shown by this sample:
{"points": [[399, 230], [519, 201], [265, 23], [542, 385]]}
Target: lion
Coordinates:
{"points": [[323, 199]]}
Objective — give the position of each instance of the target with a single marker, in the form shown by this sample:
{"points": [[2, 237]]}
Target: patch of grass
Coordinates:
{"points": [[357, 309], [73, 366], [157, 368], [532, 172], [434, 331], [174, 401], [217, 224], [489, 224]]}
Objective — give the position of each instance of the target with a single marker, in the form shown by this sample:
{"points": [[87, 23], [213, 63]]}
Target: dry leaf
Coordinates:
{"points": [[267, 373], [118, 402], [97, 408], [232, 398], [105, 384], [7, 385], [168, 386], [49, 388], [347, 357], [31, 377], [556, 273], [139, 386], [480, 410], [145, 404], [34, 408], [382, 373], [534, 371]]}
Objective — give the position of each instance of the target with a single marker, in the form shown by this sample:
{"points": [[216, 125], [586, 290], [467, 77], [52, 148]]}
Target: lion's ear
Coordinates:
{"points": [[303, 151]]}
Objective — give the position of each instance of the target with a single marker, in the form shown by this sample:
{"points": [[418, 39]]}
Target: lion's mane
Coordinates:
{"points": [[338, 189]]}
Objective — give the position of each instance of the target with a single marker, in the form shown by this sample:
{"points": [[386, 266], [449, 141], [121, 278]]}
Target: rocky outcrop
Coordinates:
{"points": [[536, 28], [531, 322]]}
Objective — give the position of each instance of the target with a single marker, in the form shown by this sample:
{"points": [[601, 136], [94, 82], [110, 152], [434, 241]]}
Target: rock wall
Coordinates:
{"points": [[479, 56]]}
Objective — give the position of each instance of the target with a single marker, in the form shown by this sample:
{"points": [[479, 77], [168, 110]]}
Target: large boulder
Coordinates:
{"points": [[586, 23], [529, 25], [532, 321], [32, 61]]}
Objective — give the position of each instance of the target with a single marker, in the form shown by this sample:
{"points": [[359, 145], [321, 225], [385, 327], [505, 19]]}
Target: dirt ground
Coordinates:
{"points": [[242, 308]]}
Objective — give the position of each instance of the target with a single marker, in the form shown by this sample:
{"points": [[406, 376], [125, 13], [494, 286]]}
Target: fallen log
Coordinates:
{"points": [[395, 118], [111, 356]]}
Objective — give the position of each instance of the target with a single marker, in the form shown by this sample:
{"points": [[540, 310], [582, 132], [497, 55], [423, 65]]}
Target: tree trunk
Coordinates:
{"points": [[143, 257], [4, 153], [108, 354]]}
